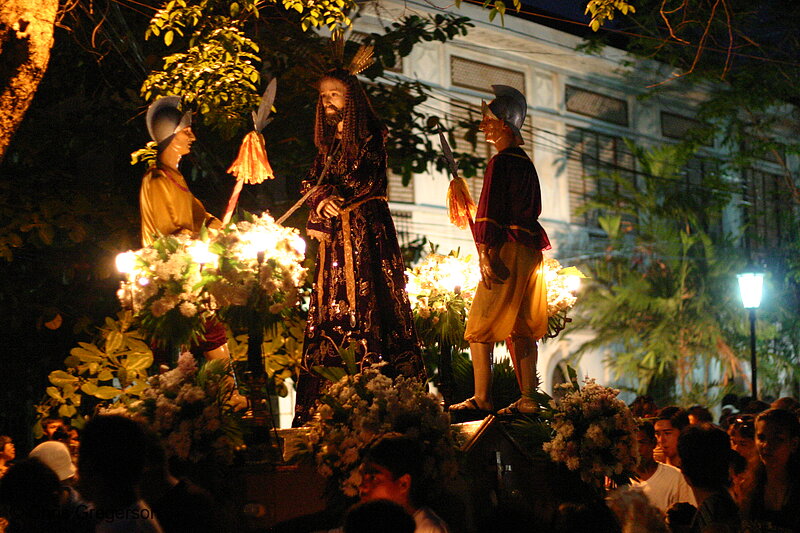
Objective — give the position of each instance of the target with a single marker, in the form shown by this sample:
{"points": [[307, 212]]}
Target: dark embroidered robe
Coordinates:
{"points": [[360, 284]]}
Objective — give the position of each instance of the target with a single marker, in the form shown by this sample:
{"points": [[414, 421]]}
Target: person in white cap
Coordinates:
{"points": [[56, 455]]}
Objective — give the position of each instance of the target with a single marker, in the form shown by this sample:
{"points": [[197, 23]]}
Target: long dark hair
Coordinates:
{"points": [[756, 476], [360, 120]]}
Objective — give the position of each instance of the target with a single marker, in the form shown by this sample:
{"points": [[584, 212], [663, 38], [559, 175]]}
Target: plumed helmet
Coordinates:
{"points": [[164, 120], [509, 106]]}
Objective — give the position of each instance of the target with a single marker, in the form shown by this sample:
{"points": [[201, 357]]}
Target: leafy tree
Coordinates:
{"points": [[660, 296], [69, 197]]}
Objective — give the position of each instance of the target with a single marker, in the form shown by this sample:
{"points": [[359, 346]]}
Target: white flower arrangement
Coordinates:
{"points": [[358, 409], [441, 289], [177, 282], [259, 269], [188, 408], [561, 284], [595, 432], [164, 290]]}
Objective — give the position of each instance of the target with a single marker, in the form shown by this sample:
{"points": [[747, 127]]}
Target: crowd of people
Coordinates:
{"points": [[741, 473], [115, 479]]}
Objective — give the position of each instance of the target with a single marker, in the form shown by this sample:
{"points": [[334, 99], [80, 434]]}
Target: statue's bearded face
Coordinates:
{"points": [[333, 94]]}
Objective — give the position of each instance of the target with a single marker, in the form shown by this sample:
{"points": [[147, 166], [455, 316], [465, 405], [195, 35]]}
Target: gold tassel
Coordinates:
{"points": [[460, 206], [252, 165]]}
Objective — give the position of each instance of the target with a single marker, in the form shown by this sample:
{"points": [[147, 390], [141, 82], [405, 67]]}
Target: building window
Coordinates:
{"points": [[481, 76], [591, 155], [596, 105], [396, 191], [698, 181], [680, 128], [767, 211]]}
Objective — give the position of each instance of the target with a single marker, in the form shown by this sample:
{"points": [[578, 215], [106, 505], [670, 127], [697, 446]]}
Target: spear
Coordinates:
{"points": [[460, 206], [252, 165]]}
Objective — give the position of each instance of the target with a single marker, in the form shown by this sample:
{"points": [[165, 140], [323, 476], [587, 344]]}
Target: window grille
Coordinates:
{"points": [[679, 127], [590, 155], [767, 211], [481, 76], [595, 105], [397, 192], [697, 175]]}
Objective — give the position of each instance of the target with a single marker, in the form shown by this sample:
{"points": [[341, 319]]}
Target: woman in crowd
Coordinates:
{"points": [[771, 492]]}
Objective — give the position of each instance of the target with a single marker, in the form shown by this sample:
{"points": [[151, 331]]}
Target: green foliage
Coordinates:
{"points": [[217, 73], [112, 368], [660, 296], [603, 10], [282, 349]]}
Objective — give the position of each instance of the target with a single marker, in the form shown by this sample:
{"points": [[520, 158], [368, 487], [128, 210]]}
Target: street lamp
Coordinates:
{"points": [[751, 284]]}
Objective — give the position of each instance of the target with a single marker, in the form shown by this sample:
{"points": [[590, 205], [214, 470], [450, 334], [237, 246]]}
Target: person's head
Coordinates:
{"points": [[644, 407], [646, 438], [742, 432], [378, 516], [30, 496], [668, 425], [777, 438], [168, 127], [392, 470], [111, 456], [504, 116], [344, 108], [787, 403], [56, 455], [753, 407], [7, 450], [52, 425], [705, 456], [698, 414]]}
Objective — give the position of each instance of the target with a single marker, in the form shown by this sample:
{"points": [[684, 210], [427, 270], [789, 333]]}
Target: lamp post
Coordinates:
{"points": [[750, 287]]}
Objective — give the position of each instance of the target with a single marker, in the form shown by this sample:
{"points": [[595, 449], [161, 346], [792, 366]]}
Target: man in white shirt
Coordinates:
{"points": [[663, 484]]}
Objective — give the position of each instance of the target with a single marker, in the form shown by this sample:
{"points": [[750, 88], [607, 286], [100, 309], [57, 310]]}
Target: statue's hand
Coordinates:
{"points": [[493, 270], [330, 207]]}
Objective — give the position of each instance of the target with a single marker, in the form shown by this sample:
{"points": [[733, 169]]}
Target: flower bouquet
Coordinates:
{"points": [[358, 409], [595, 432], [258, 271], [561, 285], [441, 289], [164, 290], [252, 268], [188, 408]]}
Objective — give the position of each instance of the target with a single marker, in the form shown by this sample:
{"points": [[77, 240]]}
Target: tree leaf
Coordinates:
{"points": [[59, 378], [107, 393]]}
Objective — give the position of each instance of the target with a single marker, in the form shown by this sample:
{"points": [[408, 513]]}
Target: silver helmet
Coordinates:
{"points": [[164, 120], [509, 106]]}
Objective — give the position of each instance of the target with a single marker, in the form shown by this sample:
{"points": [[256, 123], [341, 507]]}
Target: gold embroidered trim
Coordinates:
{"points": [[350, 272], [501, 226]]}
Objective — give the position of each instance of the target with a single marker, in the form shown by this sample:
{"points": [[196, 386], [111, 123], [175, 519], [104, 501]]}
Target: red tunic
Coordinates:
{"points": [[511, 202]]}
